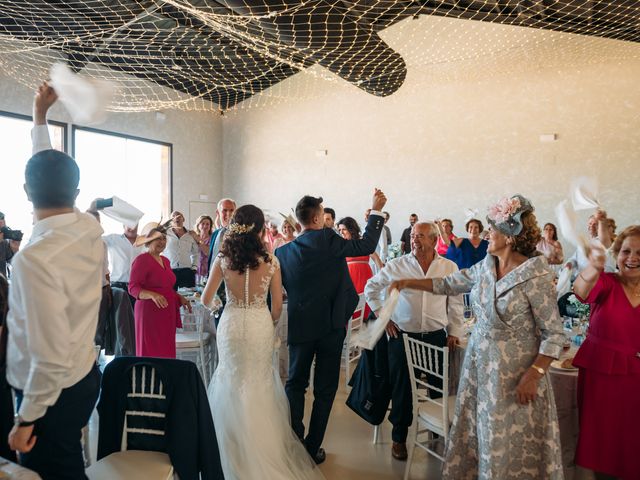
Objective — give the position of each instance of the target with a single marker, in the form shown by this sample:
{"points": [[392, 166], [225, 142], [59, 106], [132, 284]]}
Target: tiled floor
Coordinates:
{"points": [[351, 455]]}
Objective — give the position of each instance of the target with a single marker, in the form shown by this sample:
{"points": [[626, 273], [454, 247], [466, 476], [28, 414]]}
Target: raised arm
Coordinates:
{"points": [[45, 97], [604, 235], [342, 248], [588, 277]]}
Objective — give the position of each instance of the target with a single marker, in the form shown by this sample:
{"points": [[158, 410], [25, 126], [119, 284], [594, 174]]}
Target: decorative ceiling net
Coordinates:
{"points": [[206, 54]]}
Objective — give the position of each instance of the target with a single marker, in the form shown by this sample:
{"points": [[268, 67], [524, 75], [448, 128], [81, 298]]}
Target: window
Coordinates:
{"points": [[15, 138], [136, 170]]}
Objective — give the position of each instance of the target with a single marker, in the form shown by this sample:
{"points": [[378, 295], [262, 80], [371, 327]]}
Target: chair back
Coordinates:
{"points": [[427, 362], [351, 353], [146, 413], [468, 309]]}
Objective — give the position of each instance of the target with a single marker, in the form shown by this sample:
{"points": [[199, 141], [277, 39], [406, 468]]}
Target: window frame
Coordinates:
{"points": [[75, 128], [29, 118]]}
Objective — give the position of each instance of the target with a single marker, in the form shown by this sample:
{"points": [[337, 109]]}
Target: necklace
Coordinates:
{"points": [[635, 290]]}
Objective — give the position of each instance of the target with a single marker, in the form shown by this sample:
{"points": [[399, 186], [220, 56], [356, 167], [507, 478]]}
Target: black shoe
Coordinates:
{"points": [[320, 456]]}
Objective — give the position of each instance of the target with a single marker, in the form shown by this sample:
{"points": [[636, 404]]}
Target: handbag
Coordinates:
{"points": [[371, 391]]}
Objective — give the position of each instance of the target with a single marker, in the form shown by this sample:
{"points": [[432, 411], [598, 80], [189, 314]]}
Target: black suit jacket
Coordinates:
{"points": [[190, 439], [321, 296]]}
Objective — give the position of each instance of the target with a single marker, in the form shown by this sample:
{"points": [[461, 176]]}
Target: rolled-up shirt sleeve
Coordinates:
{"points": [[40, 139], [48, 335], [375, 291]]}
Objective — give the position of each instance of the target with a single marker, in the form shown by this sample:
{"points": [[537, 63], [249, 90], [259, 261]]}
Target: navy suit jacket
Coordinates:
{"points": [[321, 296]]}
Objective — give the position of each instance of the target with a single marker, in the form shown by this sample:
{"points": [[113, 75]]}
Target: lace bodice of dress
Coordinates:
{"points": [[250, 288]]}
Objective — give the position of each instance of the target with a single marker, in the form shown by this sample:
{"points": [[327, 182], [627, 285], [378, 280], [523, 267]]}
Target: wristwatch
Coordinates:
{"points": [[18, 421], [538, 369]]}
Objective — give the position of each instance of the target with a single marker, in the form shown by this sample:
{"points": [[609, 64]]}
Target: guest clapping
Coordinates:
{"points": [[505, 424], [609, 363], [549, 245], [157, 310]]}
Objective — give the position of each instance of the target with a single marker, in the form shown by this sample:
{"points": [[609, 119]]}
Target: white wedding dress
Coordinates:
{"points": [[249, 406]]}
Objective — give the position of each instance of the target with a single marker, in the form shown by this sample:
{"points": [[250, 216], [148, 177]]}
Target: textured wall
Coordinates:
{"points": [[442, 144]]}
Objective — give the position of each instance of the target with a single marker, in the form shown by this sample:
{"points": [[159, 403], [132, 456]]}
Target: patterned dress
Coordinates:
{"points": [[492, 436]]}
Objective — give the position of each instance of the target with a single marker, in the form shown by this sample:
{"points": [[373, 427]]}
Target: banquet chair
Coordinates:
{"points": [[430, 415], [467, 309], [194, 343], [142, 447], [350, 352]]}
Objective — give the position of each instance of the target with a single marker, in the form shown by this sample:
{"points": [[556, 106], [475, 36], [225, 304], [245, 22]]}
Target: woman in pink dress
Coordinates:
{"points": [[549, 246], [359, 268], [445, 229], [157, 310], [609, 362]]}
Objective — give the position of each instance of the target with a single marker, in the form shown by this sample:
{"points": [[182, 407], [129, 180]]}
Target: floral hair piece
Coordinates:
{"points": [[505, 215], [240, 229]]}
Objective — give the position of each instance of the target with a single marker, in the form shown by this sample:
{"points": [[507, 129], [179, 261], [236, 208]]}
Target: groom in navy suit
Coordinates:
{"points": [[321, 299]]}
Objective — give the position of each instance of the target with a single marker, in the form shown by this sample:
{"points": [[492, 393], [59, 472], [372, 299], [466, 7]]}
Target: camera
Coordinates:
{"points": [[11, 234], [104, 203]]}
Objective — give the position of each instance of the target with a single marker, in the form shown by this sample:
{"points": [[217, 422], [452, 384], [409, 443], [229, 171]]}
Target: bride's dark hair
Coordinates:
{"points": [[242, 245]]}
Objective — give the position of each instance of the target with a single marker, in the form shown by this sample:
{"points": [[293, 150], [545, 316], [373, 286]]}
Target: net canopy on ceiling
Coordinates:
{"points": [[206, 54]]}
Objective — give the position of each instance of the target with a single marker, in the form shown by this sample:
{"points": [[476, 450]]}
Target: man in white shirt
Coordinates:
{"points": [[54, 300], [435, 319], [122, 253], [182, 251]]}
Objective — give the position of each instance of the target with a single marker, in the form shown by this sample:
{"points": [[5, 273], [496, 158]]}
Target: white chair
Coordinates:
{"points": [[350, 352], [430, 415], [468, 309], [146, 407], [196, 344]]}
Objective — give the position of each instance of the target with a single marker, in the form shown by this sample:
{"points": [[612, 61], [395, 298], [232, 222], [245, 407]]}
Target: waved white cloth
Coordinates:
{"points": [[86, 99], [564, 282], [248, 402], [372, 331], [584, 193], [470, 213], [123, 212]]}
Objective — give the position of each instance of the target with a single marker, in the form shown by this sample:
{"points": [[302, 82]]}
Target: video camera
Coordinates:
{"points": [[12, 234]]}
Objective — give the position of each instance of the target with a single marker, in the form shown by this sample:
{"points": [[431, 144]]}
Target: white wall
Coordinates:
{"points": [[196, 139], [444, 142]]}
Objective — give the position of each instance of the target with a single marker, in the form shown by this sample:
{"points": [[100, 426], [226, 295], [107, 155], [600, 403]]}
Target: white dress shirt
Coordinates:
{"points": [[182, 252], [40, 138], [417, 311], [122, 253], [53, 309]]}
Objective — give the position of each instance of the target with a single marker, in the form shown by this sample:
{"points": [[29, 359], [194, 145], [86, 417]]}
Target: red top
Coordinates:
{"points": [[155, 327], [612, 345], [360, 272]]}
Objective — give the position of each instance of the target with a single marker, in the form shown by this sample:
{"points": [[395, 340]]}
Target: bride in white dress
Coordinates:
{"points": [[249, 406]]}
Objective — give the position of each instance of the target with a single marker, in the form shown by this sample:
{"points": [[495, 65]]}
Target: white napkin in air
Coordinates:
{"points": [[372, 331], [123, 212], [86, 99], [584, 193]]}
